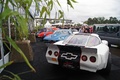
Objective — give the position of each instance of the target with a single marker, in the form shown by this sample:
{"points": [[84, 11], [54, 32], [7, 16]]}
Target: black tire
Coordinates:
{"points": [[107, 70], [108, 67], [109, 44]]}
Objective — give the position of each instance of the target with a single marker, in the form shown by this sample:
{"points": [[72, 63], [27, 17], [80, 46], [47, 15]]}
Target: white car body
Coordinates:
{"points": [[99, 53]]}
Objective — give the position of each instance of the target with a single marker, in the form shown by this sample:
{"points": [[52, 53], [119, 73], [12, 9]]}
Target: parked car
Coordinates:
{"points": [[82, 51], [109, 32], [39, 31], [45, 31], [58, 35]]}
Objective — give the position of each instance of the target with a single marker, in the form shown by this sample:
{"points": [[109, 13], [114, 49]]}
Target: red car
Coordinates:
{"points": [[46, 31]]}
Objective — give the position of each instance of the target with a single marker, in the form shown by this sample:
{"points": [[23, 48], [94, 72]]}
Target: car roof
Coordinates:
{"points": [[87, 34], [63, 29]]}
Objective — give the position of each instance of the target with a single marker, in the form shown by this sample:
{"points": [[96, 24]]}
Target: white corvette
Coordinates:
{"points": [[81, 51]]}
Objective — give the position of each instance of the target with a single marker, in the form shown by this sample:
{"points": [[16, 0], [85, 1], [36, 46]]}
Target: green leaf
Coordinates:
{"points": [[58, 3], [50, 4], [61, 14], [12, 3], [69, 3], [5, 14], [15, 76], [48, 12], [44, 20], [42, 11], [74, 1], [23, 27], [37, 6], [7, 64], [3, 77]]}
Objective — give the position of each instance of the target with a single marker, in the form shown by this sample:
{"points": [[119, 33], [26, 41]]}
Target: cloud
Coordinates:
{"points": [[91, 8]]}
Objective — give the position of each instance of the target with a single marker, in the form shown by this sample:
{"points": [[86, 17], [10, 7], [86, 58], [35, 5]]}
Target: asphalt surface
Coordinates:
{"points": [[46, 71]]}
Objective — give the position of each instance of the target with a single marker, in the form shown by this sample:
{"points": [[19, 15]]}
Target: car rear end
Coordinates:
{"points": [[73, 57]]}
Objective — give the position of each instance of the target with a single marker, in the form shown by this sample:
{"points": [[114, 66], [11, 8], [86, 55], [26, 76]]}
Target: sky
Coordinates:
{"points": [[85, 9]]}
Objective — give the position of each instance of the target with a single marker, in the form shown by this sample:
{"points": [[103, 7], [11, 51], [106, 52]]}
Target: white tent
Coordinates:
{"points": [[48, 25]]}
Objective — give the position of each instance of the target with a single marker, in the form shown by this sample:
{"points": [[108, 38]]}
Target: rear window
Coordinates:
{"points": [[82, 40], [93, 41], [78, 40]]}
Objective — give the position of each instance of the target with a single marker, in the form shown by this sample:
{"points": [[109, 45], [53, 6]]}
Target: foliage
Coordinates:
{"points": [[6, 77], [102, 20], [9, 9]]}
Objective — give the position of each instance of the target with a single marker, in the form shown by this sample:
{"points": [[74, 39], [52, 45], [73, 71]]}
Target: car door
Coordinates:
{"points": [[101, 31]]}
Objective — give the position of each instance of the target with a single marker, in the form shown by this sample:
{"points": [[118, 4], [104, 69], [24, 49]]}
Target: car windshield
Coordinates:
{"points": [[76, 40], [49, 30], [61, 32], [82, 40]]}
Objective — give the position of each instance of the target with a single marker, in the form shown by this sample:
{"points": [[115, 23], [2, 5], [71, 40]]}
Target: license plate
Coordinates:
{"points": [[68, 65]]}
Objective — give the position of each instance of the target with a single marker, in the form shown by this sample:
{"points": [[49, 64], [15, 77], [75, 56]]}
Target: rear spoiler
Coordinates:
{"points": [[82, 48], [85, 49]]}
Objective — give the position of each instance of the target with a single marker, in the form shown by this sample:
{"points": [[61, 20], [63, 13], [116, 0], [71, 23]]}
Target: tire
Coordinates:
{"points": [[109, 44], [107, 70]]}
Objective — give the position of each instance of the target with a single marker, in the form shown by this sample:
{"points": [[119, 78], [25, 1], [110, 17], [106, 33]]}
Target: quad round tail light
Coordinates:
{"points": [[84, 57], [56, 53], [93, 59], [50, 52]]}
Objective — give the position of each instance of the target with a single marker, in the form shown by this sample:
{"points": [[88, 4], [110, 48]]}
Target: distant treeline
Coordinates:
{"points": [[102, 20]]}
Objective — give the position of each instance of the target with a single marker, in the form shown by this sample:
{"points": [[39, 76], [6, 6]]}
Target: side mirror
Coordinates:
{"points": [[105, 42]]}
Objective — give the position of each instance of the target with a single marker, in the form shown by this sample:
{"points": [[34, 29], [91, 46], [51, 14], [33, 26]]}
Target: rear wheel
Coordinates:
{"points": [[108, 67], [109, 44], [106, 71]]}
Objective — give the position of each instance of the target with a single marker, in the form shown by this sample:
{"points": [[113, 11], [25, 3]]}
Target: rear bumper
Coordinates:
{"points": [[52, 60], [71, 64], [91, 68]]}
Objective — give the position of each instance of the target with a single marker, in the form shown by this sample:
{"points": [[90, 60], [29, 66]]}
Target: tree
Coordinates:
{"points": [[90, 21], [102, 20], [113, 20], [9, 9], [95, 20]]}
